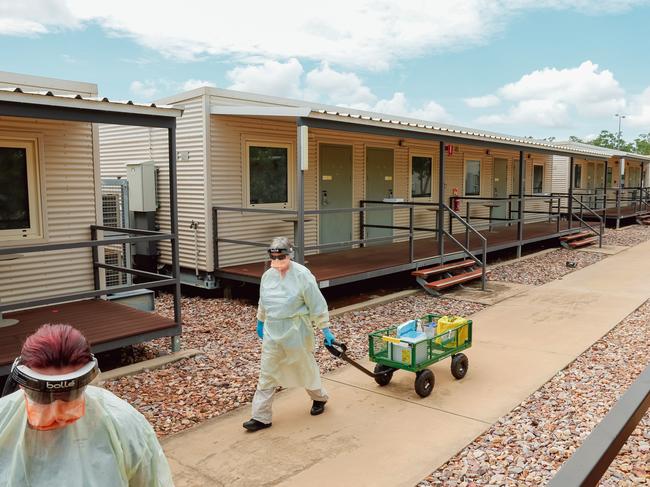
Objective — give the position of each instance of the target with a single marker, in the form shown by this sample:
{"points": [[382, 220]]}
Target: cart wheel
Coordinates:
{"points": [[424, 382], [459, 365], [385, 378]]}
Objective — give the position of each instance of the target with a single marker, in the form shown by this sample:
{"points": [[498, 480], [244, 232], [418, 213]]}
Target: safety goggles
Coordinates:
{"points": [[284, 253], [45, 389]]}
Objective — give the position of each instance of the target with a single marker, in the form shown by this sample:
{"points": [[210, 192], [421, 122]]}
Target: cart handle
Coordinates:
{"points": [[338, 350]]}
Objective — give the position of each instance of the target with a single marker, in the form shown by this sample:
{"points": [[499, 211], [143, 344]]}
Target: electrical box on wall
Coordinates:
{"points": [[142, 186]]}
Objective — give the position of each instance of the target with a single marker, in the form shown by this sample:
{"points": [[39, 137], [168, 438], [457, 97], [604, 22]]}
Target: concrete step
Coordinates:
{"points": [[431, 271], [453, 280]]}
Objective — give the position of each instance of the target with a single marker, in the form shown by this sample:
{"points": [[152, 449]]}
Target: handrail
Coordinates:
{"points": [[600, 220], [589, 463], [468, 227], [93, 243]]}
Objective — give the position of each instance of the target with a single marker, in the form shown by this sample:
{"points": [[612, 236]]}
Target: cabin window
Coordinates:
{"points": [[577, 176], [420, 177], [20, 212], [268, 175], [538, 179], [472, 178]]}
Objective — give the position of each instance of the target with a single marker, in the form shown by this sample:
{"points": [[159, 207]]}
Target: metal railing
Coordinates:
{"points": [[589, 463], [131, 236], [580, 217], [465, 248], [363, 239]]}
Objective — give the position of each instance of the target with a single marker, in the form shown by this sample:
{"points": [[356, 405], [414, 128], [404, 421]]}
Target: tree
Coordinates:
{"points": [[573, 138], [642, 144]]}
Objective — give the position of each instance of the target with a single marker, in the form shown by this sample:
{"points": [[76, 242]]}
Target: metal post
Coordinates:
{"points": [[301, 165], [411, 246], [362, 224], [95, 254], [520, 198], [619, 191], [173, 216], [441, 201], [605, 193], [571, 173]]}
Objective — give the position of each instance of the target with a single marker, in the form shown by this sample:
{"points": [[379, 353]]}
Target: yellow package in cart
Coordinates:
{"points": [[446, 335]]}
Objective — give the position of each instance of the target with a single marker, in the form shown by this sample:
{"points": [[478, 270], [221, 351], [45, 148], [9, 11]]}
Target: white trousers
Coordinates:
{"points": [[263, 400]]}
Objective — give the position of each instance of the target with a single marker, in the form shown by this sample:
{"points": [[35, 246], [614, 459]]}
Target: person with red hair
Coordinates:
{"points": [[57, 429]]}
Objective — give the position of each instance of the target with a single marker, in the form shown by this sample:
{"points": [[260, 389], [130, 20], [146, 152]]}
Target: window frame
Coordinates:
{"points": [[480, 167], [36, 230], [532, 187], [431, 190], [291, 165]]}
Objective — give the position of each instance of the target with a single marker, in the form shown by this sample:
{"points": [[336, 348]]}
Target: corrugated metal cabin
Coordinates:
{"points": [[52, 267], [362, 194], [614, 185]]}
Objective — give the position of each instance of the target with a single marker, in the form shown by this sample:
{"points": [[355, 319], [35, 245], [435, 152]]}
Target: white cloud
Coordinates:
{"points": [[326, 85], [144, 89], [34, 17], [542, 113], [552, 97], [590, 90], [486, 101], [191, 84], [337, 87], [269, 77], [365, 33], [639, 113]]}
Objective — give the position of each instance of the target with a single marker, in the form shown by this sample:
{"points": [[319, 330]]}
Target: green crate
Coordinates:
{"points": [[417, 356]]}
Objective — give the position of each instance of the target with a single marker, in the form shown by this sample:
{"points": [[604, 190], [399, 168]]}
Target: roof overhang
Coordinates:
{"points": [[77, 108], [260, 111], [398, 128]]}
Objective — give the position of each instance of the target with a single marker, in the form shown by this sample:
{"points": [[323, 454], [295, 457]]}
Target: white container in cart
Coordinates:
{"points": [[402, 352]]}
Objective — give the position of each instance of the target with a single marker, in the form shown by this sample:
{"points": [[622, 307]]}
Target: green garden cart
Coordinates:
{"points": [[391, 353]]}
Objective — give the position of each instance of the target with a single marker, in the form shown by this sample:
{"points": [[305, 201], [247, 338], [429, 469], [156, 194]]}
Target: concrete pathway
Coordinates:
{"points": [[389, 436]]}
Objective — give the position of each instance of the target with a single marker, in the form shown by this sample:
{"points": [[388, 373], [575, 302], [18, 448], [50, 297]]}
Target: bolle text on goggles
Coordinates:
{"points": [[284, 253], [45, 389]]}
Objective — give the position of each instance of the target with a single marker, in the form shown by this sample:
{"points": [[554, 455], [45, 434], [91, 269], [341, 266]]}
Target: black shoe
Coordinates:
{"points": [[255, 425], [317, 408]]}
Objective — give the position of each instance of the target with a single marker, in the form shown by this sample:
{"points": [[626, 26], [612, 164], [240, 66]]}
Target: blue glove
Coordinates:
{"points": [[329, 336], [260, 329]]}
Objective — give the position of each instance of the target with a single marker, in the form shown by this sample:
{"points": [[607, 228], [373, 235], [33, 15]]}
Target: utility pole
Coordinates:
{"points": [[619, 138]]}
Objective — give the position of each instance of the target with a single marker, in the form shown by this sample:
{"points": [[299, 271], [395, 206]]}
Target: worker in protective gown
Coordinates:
{"points": [[290, 302], [57, 430]]}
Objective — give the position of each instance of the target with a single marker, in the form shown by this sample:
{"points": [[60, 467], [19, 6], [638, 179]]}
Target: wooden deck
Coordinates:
{"points": [[350, 262], [105, 324]]}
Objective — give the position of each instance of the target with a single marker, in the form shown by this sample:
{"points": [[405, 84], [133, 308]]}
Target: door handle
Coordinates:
{"points": [[323, 198]]}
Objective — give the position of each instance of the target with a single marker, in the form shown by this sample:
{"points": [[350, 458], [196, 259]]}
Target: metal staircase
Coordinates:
{"points": [[456, 272]]}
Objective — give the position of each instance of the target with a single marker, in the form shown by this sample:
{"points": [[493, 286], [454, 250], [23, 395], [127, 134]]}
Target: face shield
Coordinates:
{"points": [[54, 401]]}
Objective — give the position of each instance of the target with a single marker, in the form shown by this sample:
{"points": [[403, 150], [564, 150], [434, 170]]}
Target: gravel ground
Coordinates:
{"points": [[630, 235], [224, 377], [544, 268], [528, 445]]}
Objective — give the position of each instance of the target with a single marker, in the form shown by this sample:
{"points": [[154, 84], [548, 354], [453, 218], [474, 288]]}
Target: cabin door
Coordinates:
{"points": [[500, 187], [379, 185], [335, 191]]}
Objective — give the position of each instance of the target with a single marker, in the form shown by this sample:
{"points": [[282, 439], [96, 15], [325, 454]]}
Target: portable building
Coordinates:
{"points": [[51, 230], [614, 185], [362, 194]]}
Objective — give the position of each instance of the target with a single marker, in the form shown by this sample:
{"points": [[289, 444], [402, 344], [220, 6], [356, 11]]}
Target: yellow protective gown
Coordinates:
{"points": [[288, 306], [112, 445]]}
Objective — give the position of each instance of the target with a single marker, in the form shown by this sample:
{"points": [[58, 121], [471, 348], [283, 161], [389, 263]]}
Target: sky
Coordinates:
{"points": [[538, 68]]}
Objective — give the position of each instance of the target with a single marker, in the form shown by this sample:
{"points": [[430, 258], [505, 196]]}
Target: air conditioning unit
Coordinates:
{"points": [[111, 210]]}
